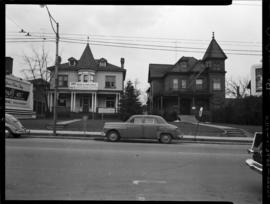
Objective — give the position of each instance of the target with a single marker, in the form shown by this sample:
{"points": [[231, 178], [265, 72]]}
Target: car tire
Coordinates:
{"points": [[165, 138], [113, 136]]}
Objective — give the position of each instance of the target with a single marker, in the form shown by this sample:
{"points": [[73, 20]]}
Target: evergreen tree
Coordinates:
{"points": [[129, 103]]}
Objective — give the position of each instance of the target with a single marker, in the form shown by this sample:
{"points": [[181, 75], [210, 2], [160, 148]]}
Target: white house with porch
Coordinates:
{"points": [[88, 85]]}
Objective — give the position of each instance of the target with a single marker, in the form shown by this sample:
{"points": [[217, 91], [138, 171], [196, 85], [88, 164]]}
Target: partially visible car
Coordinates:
{"points": [[142, 127], [255, 162], [13, 127]]}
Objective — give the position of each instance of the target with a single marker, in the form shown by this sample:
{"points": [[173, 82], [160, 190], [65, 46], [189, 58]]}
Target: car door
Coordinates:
{"points": [[150, 128], [135, 128]]}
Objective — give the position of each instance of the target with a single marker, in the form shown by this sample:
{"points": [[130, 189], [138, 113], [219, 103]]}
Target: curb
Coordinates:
{"points": [[97, 135]]}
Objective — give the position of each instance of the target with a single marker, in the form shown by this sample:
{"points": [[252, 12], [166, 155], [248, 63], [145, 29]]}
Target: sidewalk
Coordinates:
{"points": [[87, 135]]}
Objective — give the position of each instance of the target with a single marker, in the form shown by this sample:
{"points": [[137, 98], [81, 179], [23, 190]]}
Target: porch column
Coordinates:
{"points": [[71, 102], [95, 107], [51, 102], [92, 96], [116, 102], [74, 102]]}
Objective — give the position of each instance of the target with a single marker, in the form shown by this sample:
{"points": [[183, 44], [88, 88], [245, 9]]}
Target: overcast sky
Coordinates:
{"points": [[183, 30]]}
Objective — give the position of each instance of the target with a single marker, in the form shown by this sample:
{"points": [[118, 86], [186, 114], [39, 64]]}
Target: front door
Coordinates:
{"points": [[135, 128], [185, 106], [150, 128], [85, 104]]}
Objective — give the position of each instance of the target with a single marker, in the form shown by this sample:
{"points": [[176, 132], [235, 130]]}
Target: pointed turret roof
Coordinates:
{"points": [[87, 59], [214, 51]]}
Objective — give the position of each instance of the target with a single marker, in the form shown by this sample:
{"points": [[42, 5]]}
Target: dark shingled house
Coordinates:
{"points": [[188, 84]]}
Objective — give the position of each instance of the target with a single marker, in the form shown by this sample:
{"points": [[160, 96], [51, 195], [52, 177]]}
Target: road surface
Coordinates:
{"points": [[66, 169]]}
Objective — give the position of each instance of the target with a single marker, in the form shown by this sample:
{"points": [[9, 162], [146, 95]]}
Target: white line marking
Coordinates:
{"points": [[140, 197], [136, 182]]}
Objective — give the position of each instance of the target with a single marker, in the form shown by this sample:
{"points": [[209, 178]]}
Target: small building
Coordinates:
{"points": [[256, 80], [190, 83], [18, 94], [40, 89], [88, 85]]}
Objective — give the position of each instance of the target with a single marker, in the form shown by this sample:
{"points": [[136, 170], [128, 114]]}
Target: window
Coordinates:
{"points": [[216, 84], [85, 78], [91, 78], [79, 77], [216, 66], [110, 102], [199, 83], [110, 82], [63, 80], [102, 64], [184, 84], [137, 120], [184, 65], [150, 121], [208, 64], [175, 84]]}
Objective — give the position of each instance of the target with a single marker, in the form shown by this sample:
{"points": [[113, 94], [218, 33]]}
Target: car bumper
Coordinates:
{"points": [[179, 137], [254, 165], [22, 131], [103, 134]]}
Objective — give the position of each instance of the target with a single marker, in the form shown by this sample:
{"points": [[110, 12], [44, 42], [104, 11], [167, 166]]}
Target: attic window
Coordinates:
{"points": [[184, 65], [102, 63]]}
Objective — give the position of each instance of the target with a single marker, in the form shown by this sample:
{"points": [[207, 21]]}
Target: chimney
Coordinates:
{"points": [[9, 65], [122, 62]]}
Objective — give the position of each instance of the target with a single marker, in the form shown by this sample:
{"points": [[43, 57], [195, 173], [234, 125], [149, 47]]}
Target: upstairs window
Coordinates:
{"points": [[216, 66], [110, 82], [91, 78], [63, 80], [199, 83], [183, 83], [216, 84], [85, 78], [175, 84]]}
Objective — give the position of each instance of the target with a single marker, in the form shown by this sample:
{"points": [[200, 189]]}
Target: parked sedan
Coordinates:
{"points": [[255, 163], [142, 127], [13, 127]]}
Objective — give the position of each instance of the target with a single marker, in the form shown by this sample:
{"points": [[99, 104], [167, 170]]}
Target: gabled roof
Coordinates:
{"points": [[158, 70], [214, 51], [191, 61], [87, 60]]}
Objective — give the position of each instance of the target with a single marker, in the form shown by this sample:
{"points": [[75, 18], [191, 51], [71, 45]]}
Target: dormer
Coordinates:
{"points": [[102, 62], [72, 62]]}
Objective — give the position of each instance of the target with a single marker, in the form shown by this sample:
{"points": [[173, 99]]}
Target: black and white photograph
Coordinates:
{"points": [[134, 102]]}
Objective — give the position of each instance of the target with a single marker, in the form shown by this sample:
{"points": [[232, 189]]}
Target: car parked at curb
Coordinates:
{"points": [[255, 163], [13, 127], [142, 127]]}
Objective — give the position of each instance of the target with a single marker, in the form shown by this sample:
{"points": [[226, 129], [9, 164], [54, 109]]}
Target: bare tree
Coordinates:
{"points": [[237, 88], [36, 69]]}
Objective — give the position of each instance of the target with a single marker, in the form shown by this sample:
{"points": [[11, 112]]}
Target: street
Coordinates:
{"points": [[66, 169]]}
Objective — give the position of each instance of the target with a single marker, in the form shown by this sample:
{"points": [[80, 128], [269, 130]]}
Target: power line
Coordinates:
{"points": [[140, 37]]}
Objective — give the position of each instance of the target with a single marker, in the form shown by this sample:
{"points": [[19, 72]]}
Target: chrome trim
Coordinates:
{"points": [[254, 165]]}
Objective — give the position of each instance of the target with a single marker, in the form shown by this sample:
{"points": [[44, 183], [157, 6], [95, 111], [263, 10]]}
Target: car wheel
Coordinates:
{"points": [[113, 136], [8, 133], [165, 138]]}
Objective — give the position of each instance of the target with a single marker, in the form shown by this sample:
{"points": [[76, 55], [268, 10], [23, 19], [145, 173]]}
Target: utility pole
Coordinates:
{"points": [[56, 80], [57, 60]]}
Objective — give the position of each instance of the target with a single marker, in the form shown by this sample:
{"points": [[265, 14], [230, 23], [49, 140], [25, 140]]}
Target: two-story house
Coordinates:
{"points": [[188, 84], [88, 85]]}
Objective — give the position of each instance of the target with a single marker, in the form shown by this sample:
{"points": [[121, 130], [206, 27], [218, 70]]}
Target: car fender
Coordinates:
{"points": [[11, 127]]}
